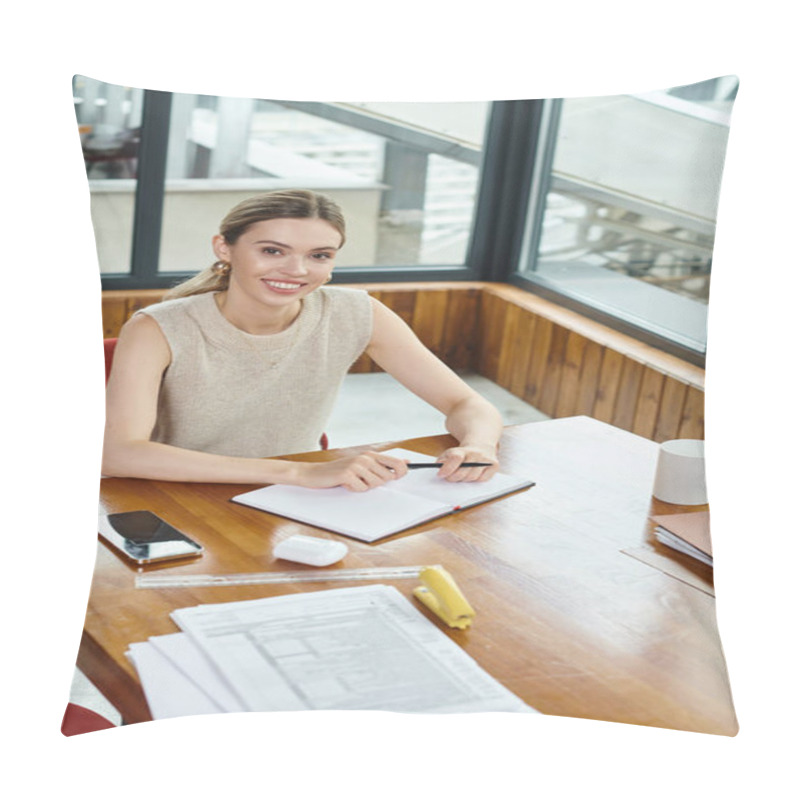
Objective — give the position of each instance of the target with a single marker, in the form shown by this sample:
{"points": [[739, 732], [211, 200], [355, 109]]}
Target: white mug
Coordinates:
{"points": [[681, 473]]}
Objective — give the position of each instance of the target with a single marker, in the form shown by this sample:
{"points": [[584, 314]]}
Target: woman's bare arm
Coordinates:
{"points": [[140, 358], [471, 419]]}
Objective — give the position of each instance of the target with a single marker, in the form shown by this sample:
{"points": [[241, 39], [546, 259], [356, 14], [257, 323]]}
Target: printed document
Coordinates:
{"points": [[167, 688], [364, 647]]}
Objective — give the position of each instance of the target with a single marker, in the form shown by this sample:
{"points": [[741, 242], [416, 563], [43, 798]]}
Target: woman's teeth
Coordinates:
{"points": [[280, 285]]}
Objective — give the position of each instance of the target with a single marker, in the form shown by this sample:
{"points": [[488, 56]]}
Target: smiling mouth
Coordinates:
{"points": [[284, 286]]}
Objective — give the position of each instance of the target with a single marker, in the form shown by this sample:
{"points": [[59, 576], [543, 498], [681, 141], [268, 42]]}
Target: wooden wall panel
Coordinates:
{"points": [[115, 315], [430, 318], [648, 403], [458, 346], [517, 365], [556, 360], [693, 417], [571, 375], [119, 306], [553, 371], [628, 394], [608, 385], [671, 411], [490, 336], [589, 384], [402, 302], [537, 366], [570, 365], [510, 350], [443, 320]]}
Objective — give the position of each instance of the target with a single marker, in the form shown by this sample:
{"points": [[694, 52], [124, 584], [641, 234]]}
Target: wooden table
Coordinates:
{"points": [[568, 615]]}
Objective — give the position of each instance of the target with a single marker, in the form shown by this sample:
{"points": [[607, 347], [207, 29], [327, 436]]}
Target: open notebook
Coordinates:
{"points": [[415, 498]]}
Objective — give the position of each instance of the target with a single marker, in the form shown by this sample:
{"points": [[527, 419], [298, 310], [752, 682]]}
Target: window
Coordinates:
{"points": [[109, 123], [406, 203], [406, 175], [606, 205], [627, 189]]}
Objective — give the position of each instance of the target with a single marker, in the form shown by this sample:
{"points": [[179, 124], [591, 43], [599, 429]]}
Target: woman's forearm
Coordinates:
{"points": [[158, 461], [475, 423]]}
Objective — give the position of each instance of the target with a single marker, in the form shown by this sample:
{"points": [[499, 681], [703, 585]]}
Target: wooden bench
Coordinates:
{"points": [[562, 363]]}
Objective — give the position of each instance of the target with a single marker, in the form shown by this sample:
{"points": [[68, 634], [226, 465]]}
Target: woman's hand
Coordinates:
{"points": [[452, 458], [356, 473]]}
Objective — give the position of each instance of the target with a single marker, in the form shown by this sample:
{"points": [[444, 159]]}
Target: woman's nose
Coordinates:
{"points": [[295, 265]]}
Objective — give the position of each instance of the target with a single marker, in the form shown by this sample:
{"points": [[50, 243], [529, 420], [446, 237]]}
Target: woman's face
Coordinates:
{"points": [[279, 261]]}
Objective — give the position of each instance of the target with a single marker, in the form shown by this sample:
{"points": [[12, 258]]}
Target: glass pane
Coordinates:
{"points": [[406, 203], [632, 200], [109, 123]]}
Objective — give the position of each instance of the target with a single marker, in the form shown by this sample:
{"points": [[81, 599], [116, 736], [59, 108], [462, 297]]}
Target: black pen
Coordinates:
{"points": [[416, 465]]}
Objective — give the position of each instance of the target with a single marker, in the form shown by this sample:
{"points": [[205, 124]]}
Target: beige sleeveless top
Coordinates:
{"points": [[232, 393]]}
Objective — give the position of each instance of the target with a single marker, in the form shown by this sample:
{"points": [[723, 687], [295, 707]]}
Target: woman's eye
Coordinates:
{"points": [[272, 251], [322, 256]]}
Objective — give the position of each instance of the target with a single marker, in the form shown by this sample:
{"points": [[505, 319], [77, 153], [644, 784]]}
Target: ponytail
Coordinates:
{"points": [[208, 280]]}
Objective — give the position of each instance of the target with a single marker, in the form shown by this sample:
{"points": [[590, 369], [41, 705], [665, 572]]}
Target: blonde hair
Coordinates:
{"points": [[290, 203]]}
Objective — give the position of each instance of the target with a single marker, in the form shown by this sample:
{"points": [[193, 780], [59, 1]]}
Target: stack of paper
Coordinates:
{"points": [[688, 533], [365, 647]]}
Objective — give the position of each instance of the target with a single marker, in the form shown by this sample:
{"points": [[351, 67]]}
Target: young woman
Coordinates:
{"points": [[243, 362]]}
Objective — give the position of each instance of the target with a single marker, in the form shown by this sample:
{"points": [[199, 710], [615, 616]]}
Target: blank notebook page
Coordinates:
{"points": [[365, 515]]}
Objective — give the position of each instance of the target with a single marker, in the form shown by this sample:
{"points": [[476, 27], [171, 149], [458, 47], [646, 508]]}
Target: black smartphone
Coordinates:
{"points": [[143, 537]]}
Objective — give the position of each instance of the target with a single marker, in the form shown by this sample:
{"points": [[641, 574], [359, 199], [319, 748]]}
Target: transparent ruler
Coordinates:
{"points": [[156, 581]]}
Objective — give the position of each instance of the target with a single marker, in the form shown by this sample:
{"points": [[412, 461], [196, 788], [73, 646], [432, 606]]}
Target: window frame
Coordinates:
{"points": [[513, 185], [493, 241], [524, 273]]}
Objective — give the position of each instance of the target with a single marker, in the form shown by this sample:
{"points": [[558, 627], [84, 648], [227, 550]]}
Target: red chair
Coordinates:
{"points": [[108, 348], [78, 719]]}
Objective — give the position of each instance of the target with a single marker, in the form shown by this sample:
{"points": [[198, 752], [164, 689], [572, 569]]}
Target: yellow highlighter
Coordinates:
{"points": [[441, 594]]}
